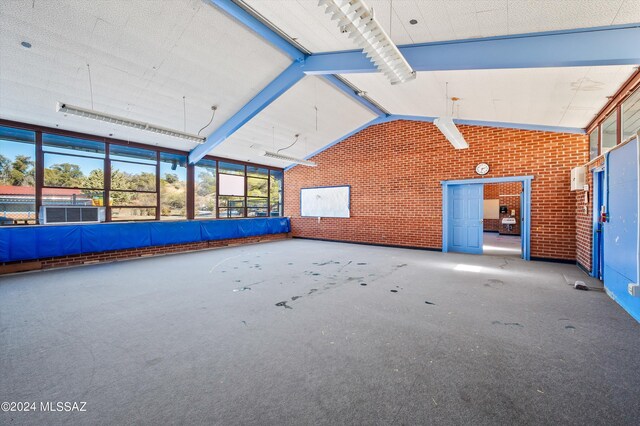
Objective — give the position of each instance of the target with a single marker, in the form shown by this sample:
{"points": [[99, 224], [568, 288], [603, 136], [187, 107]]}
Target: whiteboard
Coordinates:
{"points": [[325, 202], [492, 209]]}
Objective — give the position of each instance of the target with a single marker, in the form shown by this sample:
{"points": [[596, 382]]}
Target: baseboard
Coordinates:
{"points": [[369, 244], [553, 260]]}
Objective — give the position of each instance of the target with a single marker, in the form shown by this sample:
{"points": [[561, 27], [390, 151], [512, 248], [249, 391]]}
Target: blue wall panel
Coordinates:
{"points": [[115, 236], [59, 241], [621, 231], [215, 230], [163, 233], [37, 242], [22, 244]]}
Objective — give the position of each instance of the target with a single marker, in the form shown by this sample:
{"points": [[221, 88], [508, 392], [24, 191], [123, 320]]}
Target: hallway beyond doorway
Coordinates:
{"points": [[501, 245]]}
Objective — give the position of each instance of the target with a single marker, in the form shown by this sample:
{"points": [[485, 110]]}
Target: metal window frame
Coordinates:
{"points": [[39, 130]]}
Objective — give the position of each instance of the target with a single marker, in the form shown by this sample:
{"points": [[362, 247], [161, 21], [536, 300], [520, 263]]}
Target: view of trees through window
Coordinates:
{"points": [[143, 184], [205, 189], [17, 176], [173, 186]]}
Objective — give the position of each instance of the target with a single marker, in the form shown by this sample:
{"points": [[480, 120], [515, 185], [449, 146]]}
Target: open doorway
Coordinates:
{"points": [[502, 219], [463, 205]]}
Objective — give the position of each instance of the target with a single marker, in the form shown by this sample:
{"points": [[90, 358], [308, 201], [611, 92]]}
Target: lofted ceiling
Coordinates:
{"points": [[153, 60], [439, 20], [295, 113], [565, 97]]}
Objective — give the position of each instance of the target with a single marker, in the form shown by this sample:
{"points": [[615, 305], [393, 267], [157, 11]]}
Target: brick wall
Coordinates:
{"points": [[395, 170], [503, 192], [110, 256]]}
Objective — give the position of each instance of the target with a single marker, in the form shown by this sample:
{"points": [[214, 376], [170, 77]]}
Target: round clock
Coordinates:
{"points": [[482, 169]]}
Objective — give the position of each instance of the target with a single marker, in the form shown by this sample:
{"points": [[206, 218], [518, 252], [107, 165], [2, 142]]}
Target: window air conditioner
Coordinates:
{"points": [[71, 214]]}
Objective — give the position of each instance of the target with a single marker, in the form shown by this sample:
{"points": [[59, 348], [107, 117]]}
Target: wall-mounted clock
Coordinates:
{"points": [[482, 169]]}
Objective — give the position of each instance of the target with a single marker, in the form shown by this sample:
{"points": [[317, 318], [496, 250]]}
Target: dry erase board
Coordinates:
{"points": [[331, 201]]}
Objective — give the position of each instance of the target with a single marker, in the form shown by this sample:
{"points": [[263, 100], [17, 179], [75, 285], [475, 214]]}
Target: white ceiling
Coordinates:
{"points": [[295, 113], [567, 97], [440, 20], [144, 56]]}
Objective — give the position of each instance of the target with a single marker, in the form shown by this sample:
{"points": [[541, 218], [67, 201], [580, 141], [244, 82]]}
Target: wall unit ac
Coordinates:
{"points": [[71, 214], [578, 178]]}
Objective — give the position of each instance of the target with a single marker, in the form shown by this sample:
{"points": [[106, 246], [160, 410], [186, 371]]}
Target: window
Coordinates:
{"points": [[17, 176], [257, 192], [609, 131], [631, 115], [205, 189], [173, 186], [276, 182], [142, 183], [231, 196], [73, 171], [593, 143], [133, 193]]}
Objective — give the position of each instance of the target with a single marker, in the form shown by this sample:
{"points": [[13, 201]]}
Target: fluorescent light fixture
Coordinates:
{"points": [[108, 118], [451, 132], [355, 17], [287, 158], [263, 151]]}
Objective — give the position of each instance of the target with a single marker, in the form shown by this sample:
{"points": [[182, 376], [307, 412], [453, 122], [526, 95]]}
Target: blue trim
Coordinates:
{"points": [[239, 14], [526, 214], [488, 180], [376, 120], [344, 88], [610, 45], [499, 124], [329, 186], [522, 126], [277, 87], [596, 193], [426, 119]]}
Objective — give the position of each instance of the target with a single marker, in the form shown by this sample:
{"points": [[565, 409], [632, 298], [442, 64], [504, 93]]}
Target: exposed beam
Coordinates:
{"points": [[277, 87], [353, 94], [613, 45], [377, 120], [248, 20], [281, 84]]}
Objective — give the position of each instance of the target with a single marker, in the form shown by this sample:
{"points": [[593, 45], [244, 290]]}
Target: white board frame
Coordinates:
{"points": [[344, 213]]}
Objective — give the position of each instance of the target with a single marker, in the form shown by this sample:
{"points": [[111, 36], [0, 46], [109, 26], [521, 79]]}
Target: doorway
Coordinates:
{"points": [[598, 229], [502, 219], [463, 206]]}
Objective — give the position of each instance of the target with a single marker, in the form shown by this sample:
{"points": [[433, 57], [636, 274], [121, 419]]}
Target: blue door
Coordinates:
{"points": [[598, 228], [465, 212]]}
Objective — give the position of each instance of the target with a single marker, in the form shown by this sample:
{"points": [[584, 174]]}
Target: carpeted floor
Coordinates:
{"points": [[307, 332]]}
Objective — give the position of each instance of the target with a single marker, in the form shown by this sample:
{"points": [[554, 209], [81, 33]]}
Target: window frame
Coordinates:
{"points": [[614, 105], [108, 141]]}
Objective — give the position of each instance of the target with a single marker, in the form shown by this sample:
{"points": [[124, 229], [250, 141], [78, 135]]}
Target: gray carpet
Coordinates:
{"points": [[287, 333]]}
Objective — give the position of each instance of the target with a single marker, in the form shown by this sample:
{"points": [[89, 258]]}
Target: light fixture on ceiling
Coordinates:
{"points": [[108, 118], [357, 19], [413, 21], [288, 158], [448, 128], [264, 152], [451, 132]]}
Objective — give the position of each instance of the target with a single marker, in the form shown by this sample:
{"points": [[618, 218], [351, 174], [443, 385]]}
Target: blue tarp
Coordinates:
{"points": [[37, 242], [115, 236]]}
